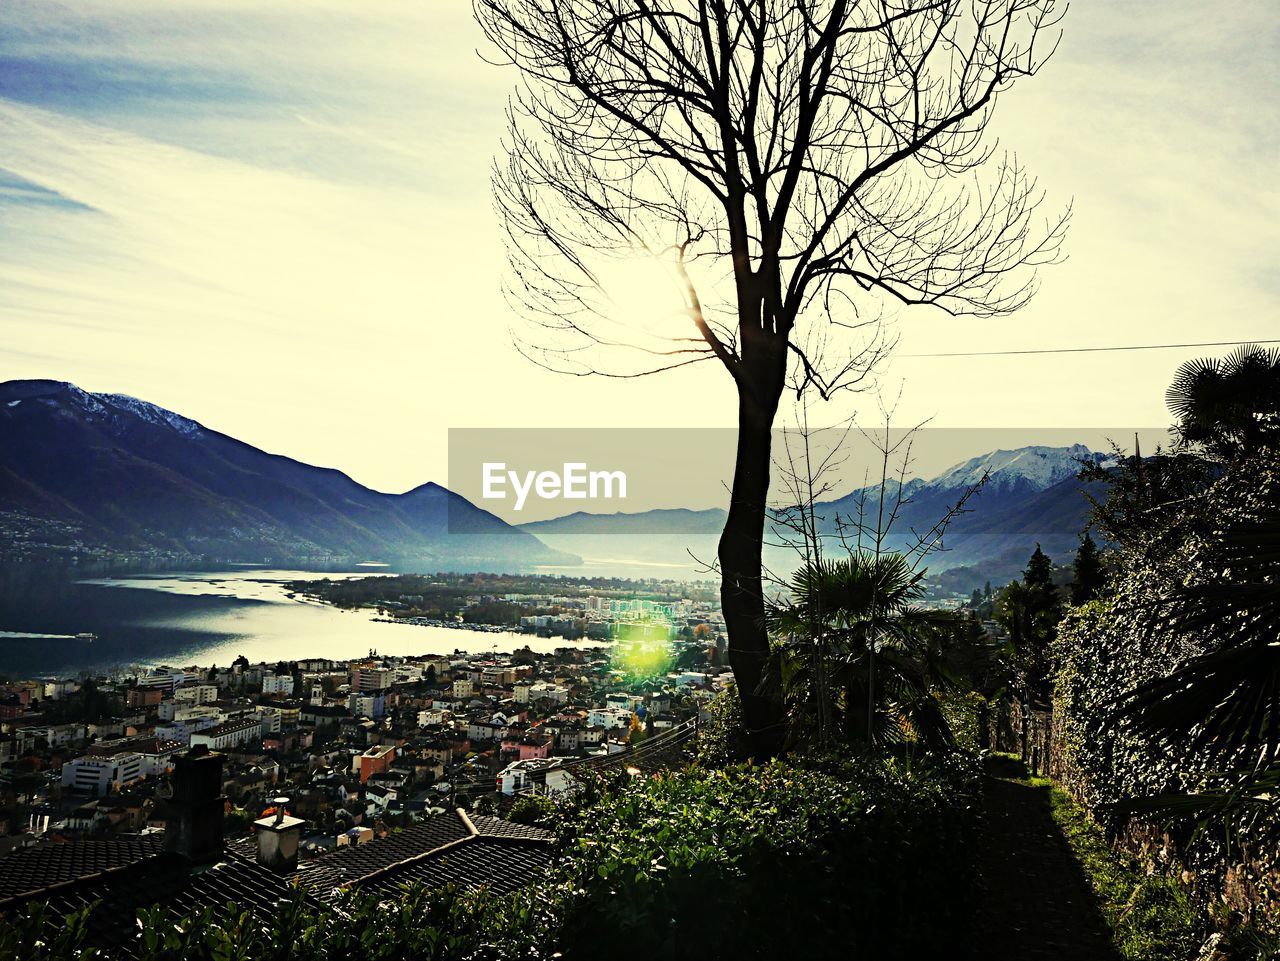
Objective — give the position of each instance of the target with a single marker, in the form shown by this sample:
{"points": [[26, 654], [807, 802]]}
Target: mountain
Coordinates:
{"points": [[1031, 495], [108, 471]]}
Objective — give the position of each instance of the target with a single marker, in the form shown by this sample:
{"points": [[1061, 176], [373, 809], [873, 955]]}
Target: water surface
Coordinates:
{"points": [[198, 617]]}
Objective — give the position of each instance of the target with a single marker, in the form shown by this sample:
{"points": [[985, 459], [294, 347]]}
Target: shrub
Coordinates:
{"points": [[813, 859], [721, 739]]}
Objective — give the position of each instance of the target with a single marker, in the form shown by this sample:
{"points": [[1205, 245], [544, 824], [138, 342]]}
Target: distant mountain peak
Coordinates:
{"points": [[80, 470], [1036, 468], [152, 413], [13, 393]]}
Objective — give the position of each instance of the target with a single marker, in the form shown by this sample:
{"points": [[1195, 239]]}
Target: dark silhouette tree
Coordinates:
{"points": [[1087, 573], [794, 166], [1228, 407], [1039, 572], [1030, 609]]}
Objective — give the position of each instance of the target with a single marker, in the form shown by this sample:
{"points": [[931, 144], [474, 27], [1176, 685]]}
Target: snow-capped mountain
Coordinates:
{"points": [[111, 471], [1031, 468], [151, 413], [1032, 496]]}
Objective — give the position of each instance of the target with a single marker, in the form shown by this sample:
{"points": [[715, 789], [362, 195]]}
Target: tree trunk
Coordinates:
{"points": [[742, 543]]}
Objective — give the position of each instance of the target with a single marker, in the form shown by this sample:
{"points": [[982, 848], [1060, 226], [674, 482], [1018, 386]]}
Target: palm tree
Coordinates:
{"points": [[1227, 406], [854, 641]]}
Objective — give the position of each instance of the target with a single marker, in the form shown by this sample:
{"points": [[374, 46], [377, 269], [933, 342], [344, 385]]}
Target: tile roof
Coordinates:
{"points": [[41, 866], [500, 865], [124, 874], [401, 854]]}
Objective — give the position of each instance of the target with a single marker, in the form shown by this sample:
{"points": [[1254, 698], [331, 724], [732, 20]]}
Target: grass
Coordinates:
{"points": [[1152, 916]]}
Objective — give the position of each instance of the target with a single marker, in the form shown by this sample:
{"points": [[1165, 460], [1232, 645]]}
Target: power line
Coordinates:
{"points": [[1090, 350]]}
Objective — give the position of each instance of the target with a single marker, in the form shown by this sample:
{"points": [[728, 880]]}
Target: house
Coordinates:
{"points": [[277, 683], [375, 760], [568, 738], [434, 715], [535, 776], [526, 746], [482, 731], [609, 718], [189, 868], [156, 753], [367, 705], [369, 677], [196, 694]]}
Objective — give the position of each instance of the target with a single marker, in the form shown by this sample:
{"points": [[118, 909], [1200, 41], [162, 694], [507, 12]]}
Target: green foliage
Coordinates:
{"points": [[1030, 610], [537, 810], [36, 934], [721, 739], [1228, 407], [855, 643], [807, 859], [444, 924], [1152, 917]]}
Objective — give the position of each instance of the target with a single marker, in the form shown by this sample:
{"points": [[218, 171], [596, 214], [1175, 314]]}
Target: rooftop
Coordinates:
{"points": [[128, 873]]}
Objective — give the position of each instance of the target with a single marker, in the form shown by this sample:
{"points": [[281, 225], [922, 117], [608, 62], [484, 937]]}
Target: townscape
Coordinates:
{"points": [[365, 746]]}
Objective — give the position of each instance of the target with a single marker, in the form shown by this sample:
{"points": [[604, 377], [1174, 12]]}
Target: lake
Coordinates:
{"points": [[198, 617]]}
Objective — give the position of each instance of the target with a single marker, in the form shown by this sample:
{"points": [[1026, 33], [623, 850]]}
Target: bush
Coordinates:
{"points": [[813, 859], [721, 739]]}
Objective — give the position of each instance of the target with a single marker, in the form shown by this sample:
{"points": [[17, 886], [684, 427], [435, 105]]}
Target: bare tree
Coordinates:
{"points": [[796, 165]]}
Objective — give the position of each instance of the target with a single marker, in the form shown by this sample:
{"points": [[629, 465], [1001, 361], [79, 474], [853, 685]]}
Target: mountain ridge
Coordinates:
{"points": [[117, 472], [1033, 495]]}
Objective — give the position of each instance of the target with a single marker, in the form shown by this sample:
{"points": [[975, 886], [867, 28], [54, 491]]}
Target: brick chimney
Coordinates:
{"points": [[194, 826], [278, 836]]}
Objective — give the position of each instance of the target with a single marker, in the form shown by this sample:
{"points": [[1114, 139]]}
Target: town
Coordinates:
{"points": [[365, 746]]}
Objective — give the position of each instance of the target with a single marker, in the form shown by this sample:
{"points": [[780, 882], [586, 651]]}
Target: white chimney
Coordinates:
{"points": [[278, 836]]}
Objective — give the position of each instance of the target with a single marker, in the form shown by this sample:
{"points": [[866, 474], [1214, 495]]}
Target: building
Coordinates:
{"points": [[370, 677], [433, 715], [609, 718], [54, 735], [102, 775], [156, 754], [481, 730], [535, 776], [367, 705], [528, 746], [498, 675], [144, 697], [166, 679], [277, 683], [376, 760], [188, 868], [550, 693], [232, 734], [196, 694]]}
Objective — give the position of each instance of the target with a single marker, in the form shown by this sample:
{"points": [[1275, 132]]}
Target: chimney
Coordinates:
{"points": [[278, 835], [194, 825]]}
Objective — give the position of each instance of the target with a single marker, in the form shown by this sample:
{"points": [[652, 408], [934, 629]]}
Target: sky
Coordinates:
{"points": [[275, 218]]}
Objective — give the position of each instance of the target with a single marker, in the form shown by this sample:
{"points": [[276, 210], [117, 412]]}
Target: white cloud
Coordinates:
{"points": [[290, 234]]}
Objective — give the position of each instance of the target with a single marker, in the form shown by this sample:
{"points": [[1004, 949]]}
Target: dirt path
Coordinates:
{"points": [[1036, 903]]}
